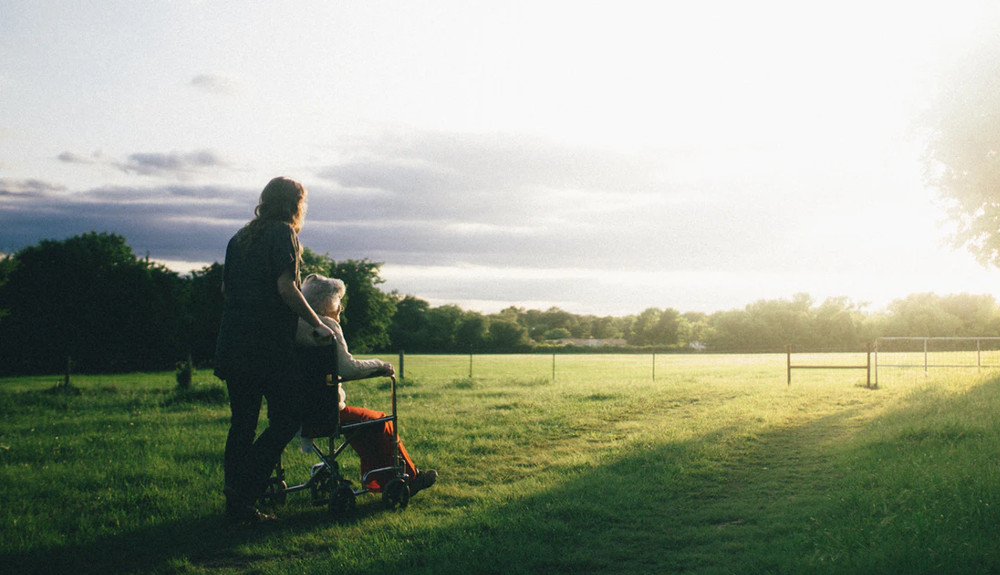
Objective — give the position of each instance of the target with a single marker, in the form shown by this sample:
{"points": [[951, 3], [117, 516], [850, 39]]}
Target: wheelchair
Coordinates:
{"points": [[316, 372]]}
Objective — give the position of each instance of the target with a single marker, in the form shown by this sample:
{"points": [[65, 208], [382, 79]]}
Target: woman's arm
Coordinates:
{"points": [[294, 299]]}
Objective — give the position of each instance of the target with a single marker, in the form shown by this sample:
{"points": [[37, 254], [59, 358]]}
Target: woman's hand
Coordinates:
{"points": [[388, 370], [322, 332]]}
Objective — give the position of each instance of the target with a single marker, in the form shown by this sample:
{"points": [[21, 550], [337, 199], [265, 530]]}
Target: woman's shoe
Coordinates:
{"points": [[241, 511], [246, 515]]}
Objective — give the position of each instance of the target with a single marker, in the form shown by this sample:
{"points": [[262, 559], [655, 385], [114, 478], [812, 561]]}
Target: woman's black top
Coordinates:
{"points": [[258, 329]]}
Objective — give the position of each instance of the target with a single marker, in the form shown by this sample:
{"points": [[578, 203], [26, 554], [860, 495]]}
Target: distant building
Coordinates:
{"points": [[591, 342]]}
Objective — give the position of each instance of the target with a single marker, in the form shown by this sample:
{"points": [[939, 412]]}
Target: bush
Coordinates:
{"points": [[184, 372]]}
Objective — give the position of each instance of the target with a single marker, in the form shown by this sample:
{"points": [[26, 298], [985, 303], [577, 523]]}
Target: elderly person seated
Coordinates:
{"points": [[374, 446]]}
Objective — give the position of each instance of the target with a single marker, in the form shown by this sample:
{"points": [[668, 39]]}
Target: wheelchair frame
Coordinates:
{"points": [[326, 484]]}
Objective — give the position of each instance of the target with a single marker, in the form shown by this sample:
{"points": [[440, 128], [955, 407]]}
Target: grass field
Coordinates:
{"points": [[717, 466]]}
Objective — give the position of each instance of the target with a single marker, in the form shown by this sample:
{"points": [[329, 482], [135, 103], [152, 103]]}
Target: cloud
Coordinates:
{"points": [[74, 158], [492, 181], [71, 158], [517, 219], [174, 164], [433, 199], [213, 84], [177, 165], [448, 199], [28, 188], [179, 197], [448, 162], [171, 222]]}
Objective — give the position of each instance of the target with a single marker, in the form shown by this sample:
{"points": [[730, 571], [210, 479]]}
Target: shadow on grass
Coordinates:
{"points": [[208, 542], [777, 501], [684, 507]]}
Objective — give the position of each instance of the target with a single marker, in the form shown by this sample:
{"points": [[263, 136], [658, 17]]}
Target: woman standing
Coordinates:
{"points": [[261, 309]]}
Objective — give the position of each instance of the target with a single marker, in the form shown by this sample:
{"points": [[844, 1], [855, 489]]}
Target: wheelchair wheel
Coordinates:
{"points": [[396, 494], [342, 500], [321, 485], [275, 493]]}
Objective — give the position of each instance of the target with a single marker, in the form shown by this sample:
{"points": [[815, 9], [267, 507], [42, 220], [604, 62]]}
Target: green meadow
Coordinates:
{"points": [[698, 464]]}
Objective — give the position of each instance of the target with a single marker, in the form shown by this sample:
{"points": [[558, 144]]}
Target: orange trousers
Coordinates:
{"points": [[374, 446]]}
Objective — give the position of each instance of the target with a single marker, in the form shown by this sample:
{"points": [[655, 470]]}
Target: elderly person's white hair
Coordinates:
{"points": [[322, 293]]}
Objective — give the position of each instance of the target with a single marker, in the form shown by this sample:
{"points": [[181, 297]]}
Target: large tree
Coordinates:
{"points": [[507, 335], [205, 311], [7, 265], [655, 327], [91, 299], [442, 325], [473, 332], [962, 156], [410, 325]]}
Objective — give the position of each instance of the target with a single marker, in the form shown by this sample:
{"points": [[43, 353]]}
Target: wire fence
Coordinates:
{"points": [[887, 360], [527, 366], [865, 364], [909, 357], [609, 367]]}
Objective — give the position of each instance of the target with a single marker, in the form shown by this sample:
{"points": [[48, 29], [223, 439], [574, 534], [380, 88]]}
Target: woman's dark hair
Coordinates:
{"points": [[282, 200]]}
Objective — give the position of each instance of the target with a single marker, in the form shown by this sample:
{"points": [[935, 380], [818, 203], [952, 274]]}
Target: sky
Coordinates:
{"points": [[600, 157]]}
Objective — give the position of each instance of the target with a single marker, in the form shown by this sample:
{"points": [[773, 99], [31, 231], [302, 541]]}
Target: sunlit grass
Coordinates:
{"points": [[716, 466]]}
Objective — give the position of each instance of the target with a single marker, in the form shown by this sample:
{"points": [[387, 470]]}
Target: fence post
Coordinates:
{"points": [[925, 356], [788, 356], [875, 346], [69, 368], [470, 365], [401, 354], [868, 376], [654, 366]]}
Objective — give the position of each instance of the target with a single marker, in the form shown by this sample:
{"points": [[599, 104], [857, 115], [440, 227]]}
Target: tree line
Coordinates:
{"points": [[89, 299]]}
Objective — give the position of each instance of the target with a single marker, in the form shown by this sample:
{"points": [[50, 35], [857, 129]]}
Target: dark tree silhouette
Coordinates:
{"points": [[90, 298]]}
